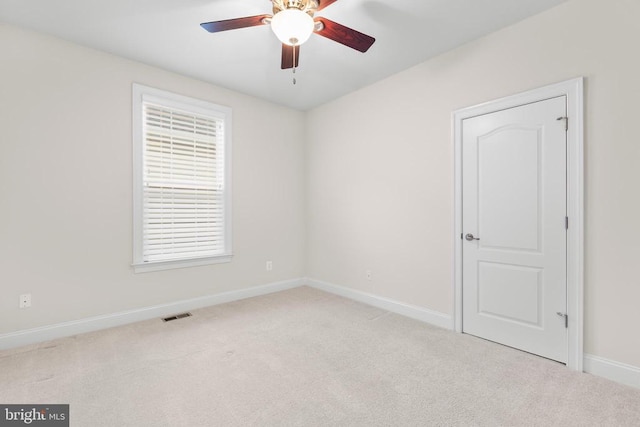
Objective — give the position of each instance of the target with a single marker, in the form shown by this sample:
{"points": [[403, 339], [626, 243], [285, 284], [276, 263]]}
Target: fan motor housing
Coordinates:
{"points": [[308, 6]]}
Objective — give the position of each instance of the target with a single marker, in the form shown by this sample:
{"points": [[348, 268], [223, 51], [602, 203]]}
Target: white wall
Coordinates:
{"points": [[380, 180], [66, 186]]}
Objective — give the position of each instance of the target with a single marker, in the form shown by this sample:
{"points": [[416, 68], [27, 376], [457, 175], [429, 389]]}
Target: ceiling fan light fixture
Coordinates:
{"points": [[293, 27]]}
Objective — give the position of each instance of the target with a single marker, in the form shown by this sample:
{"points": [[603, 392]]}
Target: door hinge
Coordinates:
{"points": [[566, 318], [461, 236], [566, 222], [566, 122]]}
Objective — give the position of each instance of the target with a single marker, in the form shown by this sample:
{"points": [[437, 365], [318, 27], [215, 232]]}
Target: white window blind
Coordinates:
{"points": [[183, 195]]}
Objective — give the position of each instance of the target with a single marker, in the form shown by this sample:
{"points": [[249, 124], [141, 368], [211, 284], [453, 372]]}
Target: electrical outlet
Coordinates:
{"points": [[25, 300], [368, 274], [269, 265]]}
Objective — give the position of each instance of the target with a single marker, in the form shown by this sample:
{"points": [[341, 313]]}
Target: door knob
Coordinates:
{"points": [[470, 237]]}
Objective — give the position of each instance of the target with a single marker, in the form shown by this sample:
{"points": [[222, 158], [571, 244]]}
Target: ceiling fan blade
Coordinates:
{"points": [[233, 24], [345, 35], [324, 3], [287, 56]]}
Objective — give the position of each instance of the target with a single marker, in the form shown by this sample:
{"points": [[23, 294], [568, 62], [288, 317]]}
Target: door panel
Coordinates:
{"points": [[514, 201], [514, 153], [521, 286]]}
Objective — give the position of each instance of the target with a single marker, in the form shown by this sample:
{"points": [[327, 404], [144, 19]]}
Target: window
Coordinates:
{"points": [[182, 192]]}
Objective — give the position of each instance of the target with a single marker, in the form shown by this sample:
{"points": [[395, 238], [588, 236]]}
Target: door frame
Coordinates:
{"points": [[573, 90]]}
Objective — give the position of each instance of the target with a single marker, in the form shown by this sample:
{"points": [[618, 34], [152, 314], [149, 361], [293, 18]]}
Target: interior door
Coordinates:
{"points": [[514, 233]]}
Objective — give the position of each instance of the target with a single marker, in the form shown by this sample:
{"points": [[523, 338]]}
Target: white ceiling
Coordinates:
{"points": [[167, 34]]}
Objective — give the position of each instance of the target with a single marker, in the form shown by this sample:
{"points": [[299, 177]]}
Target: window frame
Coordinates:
{"points": [[141, 94]]}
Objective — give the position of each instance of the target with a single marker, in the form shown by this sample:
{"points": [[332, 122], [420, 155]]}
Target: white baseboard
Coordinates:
{"points": [[90, 324], [612, 370], [424, 315]]}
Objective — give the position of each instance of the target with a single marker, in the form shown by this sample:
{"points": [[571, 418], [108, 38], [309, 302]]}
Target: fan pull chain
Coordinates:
{"points": [[294, 64]]}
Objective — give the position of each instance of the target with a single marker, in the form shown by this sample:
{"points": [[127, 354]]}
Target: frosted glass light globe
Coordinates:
{"points": [[292, 26]]}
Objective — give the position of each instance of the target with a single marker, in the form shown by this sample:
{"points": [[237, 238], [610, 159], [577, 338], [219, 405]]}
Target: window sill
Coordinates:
{"points": [[180, 263]]}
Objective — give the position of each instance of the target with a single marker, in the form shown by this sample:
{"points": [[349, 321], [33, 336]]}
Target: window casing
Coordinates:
{"points": [[182, 181]]}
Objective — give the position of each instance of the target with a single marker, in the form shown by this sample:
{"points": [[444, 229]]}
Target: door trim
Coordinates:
{"points": [[573, 90]]}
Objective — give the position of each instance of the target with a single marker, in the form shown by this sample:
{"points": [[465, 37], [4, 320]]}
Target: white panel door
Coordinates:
{"points": [[514, 202]]}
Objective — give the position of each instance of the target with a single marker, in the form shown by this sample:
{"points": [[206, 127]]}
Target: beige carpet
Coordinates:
{"points": [[304, 358]]}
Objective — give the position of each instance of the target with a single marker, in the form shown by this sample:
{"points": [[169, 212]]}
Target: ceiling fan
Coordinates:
{"points": [[293, 22]]}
